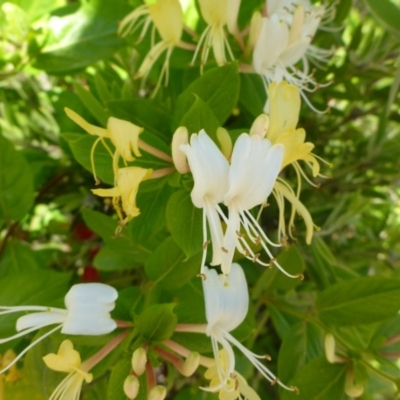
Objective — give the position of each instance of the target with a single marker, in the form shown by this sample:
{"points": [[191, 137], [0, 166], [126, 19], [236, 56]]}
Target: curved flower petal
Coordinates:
{"points": [[209, 168]]}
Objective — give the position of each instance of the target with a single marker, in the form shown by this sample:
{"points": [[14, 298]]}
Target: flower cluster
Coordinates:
{"points": [[232, 183], [277, 39]]}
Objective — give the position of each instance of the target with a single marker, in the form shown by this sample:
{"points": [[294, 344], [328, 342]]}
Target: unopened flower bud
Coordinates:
{"points": [[260, 126], [255, 29], [351, 388], [139, 359], [225, 141], [191, 363], [157, 393], [131, 387], [181, 136], [330, 346]]}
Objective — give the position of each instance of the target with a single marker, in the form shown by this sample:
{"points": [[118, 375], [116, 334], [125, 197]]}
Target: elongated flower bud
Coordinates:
{"points": [[131, 387], [225, 141], [157, 393], [191, 363], [181, 136], [260, 126], [139, 359]]}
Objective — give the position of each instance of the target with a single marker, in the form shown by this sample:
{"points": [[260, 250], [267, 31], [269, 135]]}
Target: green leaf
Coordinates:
{"points": [[17, 258], [118, 375], [200, 116], [92, 104], [318, 380], [28, 289], [273, 279], [99, 223], [218, 88], [16, 183], [81, 145], [168, 268], [146, 113], [387, 13], [81, 36], [301, 344], [252, 94], [359, 301], [185, 223], [157, 322]]}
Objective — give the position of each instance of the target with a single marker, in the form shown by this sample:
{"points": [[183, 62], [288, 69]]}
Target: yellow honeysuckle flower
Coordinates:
{"points": [[236, 387], [280, 128], [284, 105], [127, 185], [13, 373], [167, 18], [123, 134], [217, 15], [68, 360]]}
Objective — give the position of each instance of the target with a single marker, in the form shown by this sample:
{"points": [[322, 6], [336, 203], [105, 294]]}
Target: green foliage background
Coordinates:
{"points": [[55, 55]]}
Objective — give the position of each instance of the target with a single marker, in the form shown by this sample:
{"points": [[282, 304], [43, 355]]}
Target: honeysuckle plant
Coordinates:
{"points": [[164, 175]]}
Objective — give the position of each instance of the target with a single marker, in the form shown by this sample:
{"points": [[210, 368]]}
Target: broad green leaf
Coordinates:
{"points": [[157, 322], [318, 380], [322, 267], [92, 104], [185, 223], [80, 36], [218, 88], [118, 375], [152, 219], [116, 258], [200, 116], [16, 183], [359, 301], [39, 288], [291, 261], [99, 223], [169, 268], [17, 258], [387, 13], [146, 113], [81, 146], [301, 344], [35, 9], [252, 94]]}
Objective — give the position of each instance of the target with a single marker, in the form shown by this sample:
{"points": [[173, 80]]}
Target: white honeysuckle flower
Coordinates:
{"points": [[284, 40], [217, 14], [227, 302], [255, 166], [210, 173], [87, 312]]}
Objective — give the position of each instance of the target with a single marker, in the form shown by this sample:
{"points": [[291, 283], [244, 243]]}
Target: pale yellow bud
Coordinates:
{"points": [[191, 363], [139, 359], [181, 136], [131, 387], [284, 102], [330, 347], [225, 141], [260, 126], [157, 393], [351, 388], [255, 29]]}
